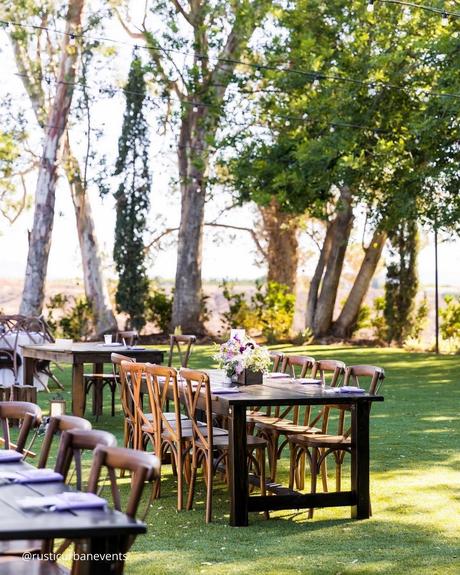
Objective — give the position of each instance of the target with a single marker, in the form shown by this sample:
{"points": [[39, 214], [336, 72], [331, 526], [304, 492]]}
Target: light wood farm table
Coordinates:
{"points": [[77, 354]]}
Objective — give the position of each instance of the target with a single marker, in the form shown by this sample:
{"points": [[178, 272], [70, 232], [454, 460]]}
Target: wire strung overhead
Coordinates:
{"points": [[313, 75], [445, 14]]}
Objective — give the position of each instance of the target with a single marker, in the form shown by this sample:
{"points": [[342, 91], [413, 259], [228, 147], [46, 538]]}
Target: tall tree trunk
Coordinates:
{"points": [[313, 291], [343, 327], [188, 286], [282, 251], [95, 287], [340, 233], [40, 237]]}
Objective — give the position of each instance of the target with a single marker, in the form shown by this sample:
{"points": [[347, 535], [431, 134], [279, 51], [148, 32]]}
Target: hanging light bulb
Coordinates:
{"points": [[370, 6], [195, 108], [445, 19], [315, 83], [332, 129]]}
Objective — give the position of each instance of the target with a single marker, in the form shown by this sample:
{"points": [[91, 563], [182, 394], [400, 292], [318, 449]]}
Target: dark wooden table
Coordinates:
{"points": [[107, 531], [77, 354], [283, 392]]}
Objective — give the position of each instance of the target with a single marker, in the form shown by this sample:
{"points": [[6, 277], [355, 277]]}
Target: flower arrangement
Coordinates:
{"points": [[240, 353]]}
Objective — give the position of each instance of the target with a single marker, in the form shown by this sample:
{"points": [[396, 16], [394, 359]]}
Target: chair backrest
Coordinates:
{"points": [[277, 360], [30, 417], [36, 328], [354, 375], [183, 344], [55, 426], [295, 366], [158, 400], [144, 467], [9, 333], [197, 385], [375, 376], [132, 375], [128, 337], [125, 398], [332, 367], [73, 442]]}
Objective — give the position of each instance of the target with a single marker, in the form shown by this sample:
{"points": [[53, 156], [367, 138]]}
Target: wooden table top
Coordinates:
{"points": [[89, 352], [284, 391], [17, 523]]}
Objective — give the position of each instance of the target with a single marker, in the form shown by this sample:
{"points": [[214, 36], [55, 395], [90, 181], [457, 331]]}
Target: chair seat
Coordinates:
{"points": [[108, 376], [222, 441], [320, 440], [187, 432], [20, 547], [10, 565]]}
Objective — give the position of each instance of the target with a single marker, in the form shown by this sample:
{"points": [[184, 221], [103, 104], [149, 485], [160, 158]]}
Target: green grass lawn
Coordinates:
{"points": [[414, 487]]}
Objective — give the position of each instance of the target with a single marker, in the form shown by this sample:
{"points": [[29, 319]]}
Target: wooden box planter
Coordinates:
{"points": [[248, 377]]}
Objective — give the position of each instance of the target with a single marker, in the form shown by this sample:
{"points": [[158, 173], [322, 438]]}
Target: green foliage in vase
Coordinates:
{"points": [[132, 201]]}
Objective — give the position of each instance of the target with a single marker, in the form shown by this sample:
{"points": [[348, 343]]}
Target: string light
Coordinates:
{"points": [[445, 19], [370, 7]]}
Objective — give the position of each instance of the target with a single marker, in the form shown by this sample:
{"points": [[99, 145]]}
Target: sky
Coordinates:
{"points": [[225, 255]]}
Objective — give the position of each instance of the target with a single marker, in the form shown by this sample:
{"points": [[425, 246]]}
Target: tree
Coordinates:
{"points": [[38, 69], [132, 200], [401, 282], [40, 236], [214, 36]]}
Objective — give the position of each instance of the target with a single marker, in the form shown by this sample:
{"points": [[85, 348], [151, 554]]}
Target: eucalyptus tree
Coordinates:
{"points": [[49, 75], [194, 48]]}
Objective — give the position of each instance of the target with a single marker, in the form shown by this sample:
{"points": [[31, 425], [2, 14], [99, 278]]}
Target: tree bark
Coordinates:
{"points": [[340, 233], [188, 286], [346, 321], [282, 250], [313, 291], [95, 287], [40, 237]]}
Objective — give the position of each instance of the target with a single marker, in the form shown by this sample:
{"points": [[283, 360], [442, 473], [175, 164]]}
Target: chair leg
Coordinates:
{"points": [[191, 487], [210, 476], [314, 476], [262, 478], [338, 471], [292, 464], [300, 479], [179, 466], [324, 474]]}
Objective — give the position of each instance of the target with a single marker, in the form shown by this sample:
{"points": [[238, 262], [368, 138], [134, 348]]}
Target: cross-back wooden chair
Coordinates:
{"points": [[132, 378], [71, 445], [55, 426], [39, 331], [30, 417], [129, 418], [287, 419], [317, 447], [208, 448], [127, 337], [9, 333], [183, 344]]}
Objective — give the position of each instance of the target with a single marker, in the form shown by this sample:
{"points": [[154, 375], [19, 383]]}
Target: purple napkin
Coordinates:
{"points": [[308, 381], [225, 390], [38, 476], [10, 455], [64, 501], [276, 374], [350, 389]]}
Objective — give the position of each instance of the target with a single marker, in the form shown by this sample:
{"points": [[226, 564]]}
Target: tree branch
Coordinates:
{"points": [[250, 231], [181, 10]]}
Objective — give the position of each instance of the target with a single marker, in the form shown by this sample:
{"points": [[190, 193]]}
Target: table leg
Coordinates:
{"points": [[238, 466], [102, 556], [98, 398], [78, 390], [28, 371], [360, 459]]}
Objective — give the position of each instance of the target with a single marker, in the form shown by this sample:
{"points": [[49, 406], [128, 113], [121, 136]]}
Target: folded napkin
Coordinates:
{"points": [[64, 502], [351, 389], [276, 374], [10, 455], [135, 348], [225, 390], [38, 476], [308, 381]]}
